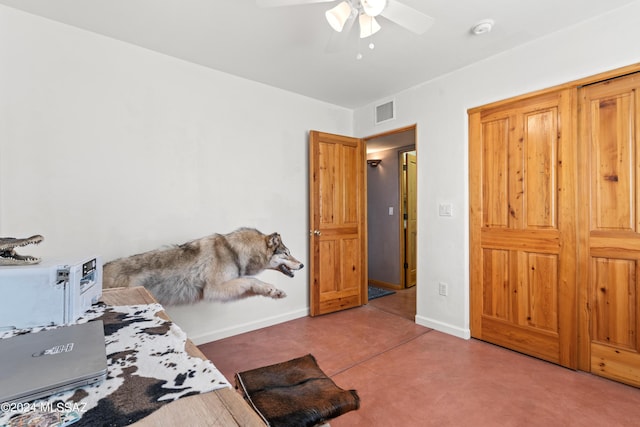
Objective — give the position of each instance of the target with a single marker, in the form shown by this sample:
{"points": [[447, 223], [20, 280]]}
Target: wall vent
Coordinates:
{"points": [[386, 111]]}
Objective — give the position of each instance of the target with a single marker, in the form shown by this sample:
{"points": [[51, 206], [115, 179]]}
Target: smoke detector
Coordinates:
{"points": [[482, 27]]}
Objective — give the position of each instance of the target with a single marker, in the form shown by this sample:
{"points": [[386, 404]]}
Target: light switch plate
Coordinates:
{"points": [[445, 209]]}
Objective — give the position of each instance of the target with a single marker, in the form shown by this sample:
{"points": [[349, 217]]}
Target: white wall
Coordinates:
{"points": [[439, 108], [110, 149]]}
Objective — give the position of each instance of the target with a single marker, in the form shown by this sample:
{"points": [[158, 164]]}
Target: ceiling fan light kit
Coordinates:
{"points": [[337, 16], [368, 25], [366, 10], [373, 7]]}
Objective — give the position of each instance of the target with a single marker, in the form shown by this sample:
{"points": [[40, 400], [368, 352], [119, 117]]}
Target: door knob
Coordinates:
{"points": [[315, 232]]}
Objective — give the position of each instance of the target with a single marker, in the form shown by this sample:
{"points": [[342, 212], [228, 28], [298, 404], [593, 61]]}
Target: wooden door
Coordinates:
{"points": [[338, 246], [522, 226], [610, 221], [412, 221]]}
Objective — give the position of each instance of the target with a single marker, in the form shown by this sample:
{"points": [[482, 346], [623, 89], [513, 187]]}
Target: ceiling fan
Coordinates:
{"points": [[342, 16]]}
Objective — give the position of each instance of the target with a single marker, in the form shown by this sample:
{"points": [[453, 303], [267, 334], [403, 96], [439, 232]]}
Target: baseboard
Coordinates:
{"points": [[247, 327], [381, 284], [444, 327]]}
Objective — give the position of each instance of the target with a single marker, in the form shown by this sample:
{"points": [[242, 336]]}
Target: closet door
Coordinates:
{"points": [[610, 222], [522, 226]]}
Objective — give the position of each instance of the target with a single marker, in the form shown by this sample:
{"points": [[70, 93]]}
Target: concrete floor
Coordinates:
{"points": [[409, 375]]}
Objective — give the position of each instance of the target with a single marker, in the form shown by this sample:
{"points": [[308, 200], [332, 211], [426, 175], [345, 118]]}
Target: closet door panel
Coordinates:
{"points": [[613, 158], [495, 172], [615, 312], [540, 170], [522, 227], [610, 136]]}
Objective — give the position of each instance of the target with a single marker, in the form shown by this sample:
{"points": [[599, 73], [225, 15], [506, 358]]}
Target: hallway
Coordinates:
{"points": [[409, 375]]}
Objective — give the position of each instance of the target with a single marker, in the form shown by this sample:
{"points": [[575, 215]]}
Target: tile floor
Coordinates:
{"points": [[409, 375]]}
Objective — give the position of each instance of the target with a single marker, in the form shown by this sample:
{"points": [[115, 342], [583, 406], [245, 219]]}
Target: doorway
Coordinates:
{"points": [[391, 210]]}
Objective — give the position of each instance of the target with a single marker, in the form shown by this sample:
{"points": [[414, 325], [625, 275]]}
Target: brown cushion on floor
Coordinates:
{"points": [[295, 393]]}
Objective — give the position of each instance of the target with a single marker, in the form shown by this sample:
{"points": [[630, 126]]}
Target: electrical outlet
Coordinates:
{"points": [[443, 289]]}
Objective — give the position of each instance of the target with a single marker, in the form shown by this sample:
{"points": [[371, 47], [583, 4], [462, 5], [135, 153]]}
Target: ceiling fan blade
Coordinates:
{"points": [[278, 3], [339, 40], [407, 17]]}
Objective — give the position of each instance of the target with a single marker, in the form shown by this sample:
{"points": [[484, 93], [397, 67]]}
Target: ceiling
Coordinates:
{"points": [[285, 47]]}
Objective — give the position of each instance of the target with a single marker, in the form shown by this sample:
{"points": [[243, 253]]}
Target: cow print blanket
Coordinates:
{"points": [[147, 368]]}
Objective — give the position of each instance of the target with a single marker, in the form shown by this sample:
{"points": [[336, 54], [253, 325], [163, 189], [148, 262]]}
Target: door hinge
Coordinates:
{"points": [[406, 265]]}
